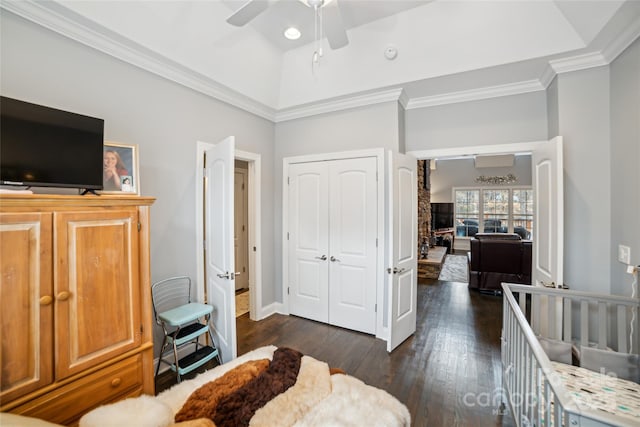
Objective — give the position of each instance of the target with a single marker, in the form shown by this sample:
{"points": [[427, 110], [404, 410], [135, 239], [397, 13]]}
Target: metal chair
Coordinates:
{"points": [[183, 322]]}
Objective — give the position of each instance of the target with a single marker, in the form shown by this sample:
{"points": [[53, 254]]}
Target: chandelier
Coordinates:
{"points": [[497, 180]]}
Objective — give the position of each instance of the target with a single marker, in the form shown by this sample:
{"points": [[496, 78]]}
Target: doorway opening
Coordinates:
{"points": [[241, 237], [251, 163]]}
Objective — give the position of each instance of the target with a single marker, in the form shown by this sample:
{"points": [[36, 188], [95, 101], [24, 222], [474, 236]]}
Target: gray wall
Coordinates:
{"points": [[163, 118], [583, 122], [463, 173], [625, 164], [374, 126], [517, 118]]}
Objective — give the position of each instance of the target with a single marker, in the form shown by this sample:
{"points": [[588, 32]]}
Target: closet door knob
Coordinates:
{"points": [[322, 258], [334, 259], [63, 296], [46, 300]]}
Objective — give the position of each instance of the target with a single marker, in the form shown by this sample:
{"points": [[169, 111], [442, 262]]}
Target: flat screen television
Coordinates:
{"points": [[46, 147], [441, 215]]}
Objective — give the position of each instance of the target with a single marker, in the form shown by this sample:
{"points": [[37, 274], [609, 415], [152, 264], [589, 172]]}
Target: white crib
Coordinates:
{"points": [[539, 392]]}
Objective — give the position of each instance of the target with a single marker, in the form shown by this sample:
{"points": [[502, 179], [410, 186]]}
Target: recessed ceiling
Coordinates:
{"points": [[443, 46]]}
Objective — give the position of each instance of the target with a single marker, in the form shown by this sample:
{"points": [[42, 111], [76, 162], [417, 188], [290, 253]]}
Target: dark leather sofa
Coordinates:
{"points": [[498, 257], [470, 227]]}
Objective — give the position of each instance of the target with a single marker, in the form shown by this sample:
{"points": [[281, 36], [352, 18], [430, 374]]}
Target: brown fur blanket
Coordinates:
{"points": [[204, 401], [233, 399]]}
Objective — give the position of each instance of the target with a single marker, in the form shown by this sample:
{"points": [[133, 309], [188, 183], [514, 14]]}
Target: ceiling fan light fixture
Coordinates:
{"points": [[292, 33]]}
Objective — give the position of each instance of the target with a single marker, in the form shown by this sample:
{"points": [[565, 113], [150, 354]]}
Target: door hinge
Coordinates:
{"points": [[375, 308], [141, 328], [243, 228], [243, 186], [376, 176], [288, 181], [139, 227], [287, 235], [287, 290], [254, 249], [244, 270], [376, 242]]}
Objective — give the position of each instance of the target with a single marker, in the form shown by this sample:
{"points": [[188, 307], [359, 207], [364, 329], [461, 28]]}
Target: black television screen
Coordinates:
{"points": [[441, 215], [46, 147]]}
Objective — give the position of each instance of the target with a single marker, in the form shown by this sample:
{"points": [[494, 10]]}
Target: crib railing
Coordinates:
{"points": [[534, 394]]}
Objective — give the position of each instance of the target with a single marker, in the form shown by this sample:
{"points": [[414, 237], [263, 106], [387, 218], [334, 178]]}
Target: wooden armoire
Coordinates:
{"points": [[76, 313]]}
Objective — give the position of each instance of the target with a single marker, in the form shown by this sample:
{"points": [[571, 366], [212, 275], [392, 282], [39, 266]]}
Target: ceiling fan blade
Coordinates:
{"points": [[333, 26], [247, 12]]}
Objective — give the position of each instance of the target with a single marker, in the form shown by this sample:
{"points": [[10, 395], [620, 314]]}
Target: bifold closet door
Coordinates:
{"points": [[332, 242], [309, 241]]}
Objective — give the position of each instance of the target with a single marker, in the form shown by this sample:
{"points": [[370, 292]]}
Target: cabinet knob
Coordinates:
{"points": [[63, 296], [116, 382], [46, 300]]}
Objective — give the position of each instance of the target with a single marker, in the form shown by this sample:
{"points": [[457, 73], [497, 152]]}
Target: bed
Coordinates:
{"points": [[580, 371], [266, 387]]}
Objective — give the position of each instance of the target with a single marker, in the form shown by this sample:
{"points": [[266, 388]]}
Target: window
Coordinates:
{"points": [[522, 200], [494, 210], [467, 212]]}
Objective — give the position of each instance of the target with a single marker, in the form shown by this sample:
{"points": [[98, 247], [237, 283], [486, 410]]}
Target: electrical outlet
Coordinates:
{"points": [[632, 269], [624, 254]]}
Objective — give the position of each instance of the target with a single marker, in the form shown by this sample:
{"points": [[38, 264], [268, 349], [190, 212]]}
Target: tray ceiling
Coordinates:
{"points": [[444, 46]]}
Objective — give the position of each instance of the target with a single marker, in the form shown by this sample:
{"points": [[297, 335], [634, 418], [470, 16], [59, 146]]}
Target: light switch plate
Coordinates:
{"points": [[624, 254]]}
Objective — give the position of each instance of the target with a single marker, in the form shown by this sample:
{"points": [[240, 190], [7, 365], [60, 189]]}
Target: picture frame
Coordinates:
{"points": [[120, 169]]}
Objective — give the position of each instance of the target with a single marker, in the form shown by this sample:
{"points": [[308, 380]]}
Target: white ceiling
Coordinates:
{"points": [[447, 49]]}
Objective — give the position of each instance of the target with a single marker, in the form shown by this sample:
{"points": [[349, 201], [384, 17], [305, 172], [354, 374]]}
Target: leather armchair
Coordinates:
{"points": [[498, 257]]}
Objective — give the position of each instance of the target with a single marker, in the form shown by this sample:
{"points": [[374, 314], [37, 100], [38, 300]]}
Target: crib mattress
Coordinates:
{"points": [[595, 391]]}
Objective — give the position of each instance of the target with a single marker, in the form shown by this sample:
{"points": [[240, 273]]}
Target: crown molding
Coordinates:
{"points": [[547, 76], [404, 99], [59, 19], [578, 62], [476, 94], [620, 43], [321, 107]]}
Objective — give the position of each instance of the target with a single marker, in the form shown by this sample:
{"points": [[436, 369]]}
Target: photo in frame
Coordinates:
{"points": [[120, 169]]}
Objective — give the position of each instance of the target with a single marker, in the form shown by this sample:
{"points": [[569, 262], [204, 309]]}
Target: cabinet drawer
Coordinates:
{"points": [[69, 402]]}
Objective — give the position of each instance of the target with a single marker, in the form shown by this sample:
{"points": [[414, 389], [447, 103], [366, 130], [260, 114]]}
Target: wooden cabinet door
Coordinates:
{"points": [[97, 295], [26, 315]]}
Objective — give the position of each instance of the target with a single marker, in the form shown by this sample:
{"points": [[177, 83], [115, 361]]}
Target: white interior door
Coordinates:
{"points": [[548, 242], [309, 241], [353, 224], [402, 268], [219, 246]]}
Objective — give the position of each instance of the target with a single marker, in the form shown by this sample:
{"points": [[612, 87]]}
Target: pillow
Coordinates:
{"points": [[498, 236], [139, 411], [622, 365], [558, 351]]}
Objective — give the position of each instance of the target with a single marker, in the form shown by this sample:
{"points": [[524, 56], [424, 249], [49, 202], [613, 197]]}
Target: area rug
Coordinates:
{"points": [[242, 303], [454, 269]]}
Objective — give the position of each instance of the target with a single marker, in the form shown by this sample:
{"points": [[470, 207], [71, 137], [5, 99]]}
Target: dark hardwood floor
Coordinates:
{"points": [[448, 373]]}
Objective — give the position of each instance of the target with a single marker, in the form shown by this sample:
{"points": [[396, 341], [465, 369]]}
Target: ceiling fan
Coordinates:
{"points": [[326, 11]]}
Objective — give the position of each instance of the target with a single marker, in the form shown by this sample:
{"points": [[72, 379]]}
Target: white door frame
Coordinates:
{"points": [[518, 147], [255, 227], [378, 153]]}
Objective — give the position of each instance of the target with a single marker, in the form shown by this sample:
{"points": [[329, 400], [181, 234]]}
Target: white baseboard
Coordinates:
{"points": [[276, 307]]}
